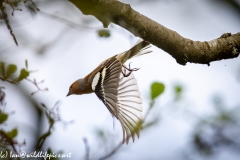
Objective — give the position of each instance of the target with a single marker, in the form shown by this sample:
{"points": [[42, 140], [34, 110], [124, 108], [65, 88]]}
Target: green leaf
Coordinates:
{"points": [[157, 89], [100, 133], [178, 91], [104, 33], [3, 117], [13, 133], [225, 117], [23, 74], [2, 69], [11, 69]]}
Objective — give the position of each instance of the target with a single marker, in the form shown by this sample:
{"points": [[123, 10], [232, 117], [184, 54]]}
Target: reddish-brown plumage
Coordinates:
{"points": [[74, 88], [116, 89]]}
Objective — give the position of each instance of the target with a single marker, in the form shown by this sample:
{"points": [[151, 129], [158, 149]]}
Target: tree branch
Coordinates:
{"points": [[182, 49]]}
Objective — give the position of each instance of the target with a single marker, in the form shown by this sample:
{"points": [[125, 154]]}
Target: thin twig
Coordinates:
{"points": [[13, 8], [53, 117], [87, 149], [6, 21], [35, 83], [12, 82], [78, 26], [34, 5], [112, 152]]}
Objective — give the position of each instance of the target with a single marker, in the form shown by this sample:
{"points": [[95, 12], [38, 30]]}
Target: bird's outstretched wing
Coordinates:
{"points": [[130, 106], [121, 96]]}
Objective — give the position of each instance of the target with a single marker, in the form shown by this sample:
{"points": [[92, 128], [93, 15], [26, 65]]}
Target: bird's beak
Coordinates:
{"points": [[69, 93]]}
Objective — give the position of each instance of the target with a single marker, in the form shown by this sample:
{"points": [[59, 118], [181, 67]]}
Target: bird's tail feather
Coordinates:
{"points": [[137, 50], [143, 51]]}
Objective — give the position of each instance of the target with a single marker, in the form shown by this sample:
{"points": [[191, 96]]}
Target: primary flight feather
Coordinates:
{"points": [[115, 85]]}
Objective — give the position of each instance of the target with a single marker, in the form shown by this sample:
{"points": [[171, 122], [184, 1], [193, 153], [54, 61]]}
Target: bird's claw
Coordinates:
{"points": [[129, 69]]}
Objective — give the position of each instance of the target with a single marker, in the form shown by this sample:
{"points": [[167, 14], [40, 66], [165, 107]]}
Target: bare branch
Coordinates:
{"points": [[87, 149], [35, 83], [182, 49], [112, 152], [71, 24], [4, 16], [34, 5], [13, 5]]}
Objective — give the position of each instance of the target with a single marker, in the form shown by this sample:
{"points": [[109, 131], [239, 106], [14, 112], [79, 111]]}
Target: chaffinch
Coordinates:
{"points": [[117, 89]]}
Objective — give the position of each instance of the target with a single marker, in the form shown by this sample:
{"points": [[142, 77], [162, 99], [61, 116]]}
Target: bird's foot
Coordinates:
{"points": [[129, 69]]}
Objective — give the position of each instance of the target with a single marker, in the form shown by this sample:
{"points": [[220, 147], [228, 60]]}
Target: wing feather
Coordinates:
{"points": [[130, 104], [121, 96]]}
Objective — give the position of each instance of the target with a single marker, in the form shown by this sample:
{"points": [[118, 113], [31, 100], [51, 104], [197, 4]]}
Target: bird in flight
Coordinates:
{"points": [[115, 85]]}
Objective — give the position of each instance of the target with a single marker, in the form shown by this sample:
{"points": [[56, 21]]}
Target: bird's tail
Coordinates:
{"points": [[137, 50]]}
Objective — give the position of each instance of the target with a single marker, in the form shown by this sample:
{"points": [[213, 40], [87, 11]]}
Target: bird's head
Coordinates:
{"points": [[77, 87]]}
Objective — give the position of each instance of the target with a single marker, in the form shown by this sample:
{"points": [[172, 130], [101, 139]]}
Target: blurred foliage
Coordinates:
{"points": [[13, 133], [13, 5], [218, 132], [3, 117], [157, 89], [7, 73], [104, 33], [178, 90], [8, 140], [53, 117]]}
